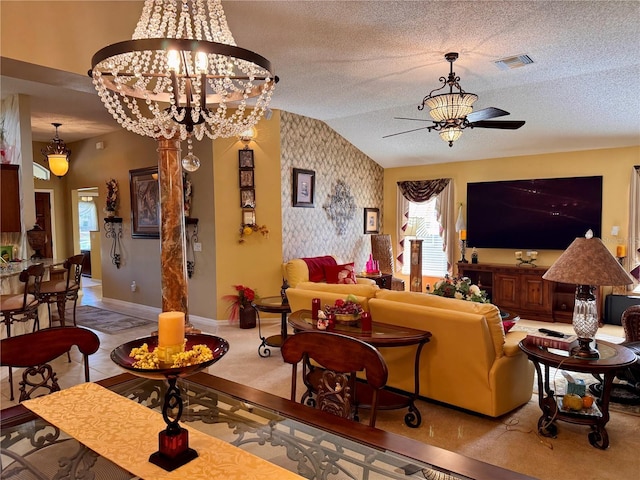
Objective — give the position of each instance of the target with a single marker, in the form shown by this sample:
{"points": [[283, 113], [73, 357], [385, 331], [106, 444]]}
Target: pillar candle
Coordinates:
{"points": [[621, 251], [170, 329], [463, 234]]}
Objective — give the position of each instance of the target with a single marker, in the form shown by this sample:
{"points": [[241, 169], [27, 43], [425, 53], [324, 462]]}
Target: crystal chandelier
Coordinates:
{"points": [[449, 110], [57, 154], [182, 74]]}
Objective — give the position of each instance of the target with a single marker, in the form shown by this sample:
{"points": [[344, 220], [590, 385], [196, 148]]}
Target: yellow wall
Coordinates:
{"points": [[255, 263], [615, 165]]}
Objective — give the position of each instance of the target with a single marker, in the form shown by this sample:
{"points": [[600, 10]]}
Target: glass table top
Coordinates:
{"points": [[281, 435]]}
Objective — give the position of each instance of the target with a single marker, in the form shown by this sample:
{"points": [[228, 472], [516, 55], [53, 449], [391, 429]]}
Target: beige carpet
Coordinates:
{"points": [[510, 441]]}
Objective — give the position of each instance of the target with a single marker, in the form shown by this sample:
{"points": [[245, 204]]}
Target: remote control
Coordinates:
{"points": [[551, 333]]}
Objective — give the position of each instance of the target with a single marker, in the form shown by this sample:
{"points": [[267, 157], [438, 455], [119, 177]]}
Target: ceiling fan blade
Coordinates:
{"points": [[407, 131], [504, 125], [486, 114], [415, 119]]}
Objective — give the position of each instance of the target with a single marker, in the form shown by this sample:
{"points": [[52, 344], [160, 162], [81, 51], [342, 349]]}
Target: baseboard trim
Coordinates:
{"points": [[155, 311]]}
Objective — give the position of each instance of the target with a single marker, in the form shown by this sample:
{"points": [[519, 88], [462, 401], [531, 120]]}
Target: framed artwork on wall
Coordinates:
{"points": [[304, 185], [247, 198], [145, 202], [245, 158], [371, 220], [248, 216], [246, 178]]}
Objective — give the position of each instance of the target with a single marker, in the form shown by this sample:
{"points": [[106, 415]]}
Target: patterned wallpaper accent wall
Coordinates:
{"points": [[306, 232]]}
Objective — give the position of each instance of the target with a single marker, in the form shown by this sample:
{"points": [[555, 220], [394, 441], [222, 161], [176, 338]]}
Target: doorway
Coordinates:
{"points": [[44, 207]]}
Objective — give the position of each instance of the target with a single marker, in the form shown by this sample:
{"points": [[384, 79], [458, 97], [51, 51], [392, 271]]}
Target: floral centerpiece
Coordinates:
{"points": [[112, 197], [241, 301], [460, 288]]}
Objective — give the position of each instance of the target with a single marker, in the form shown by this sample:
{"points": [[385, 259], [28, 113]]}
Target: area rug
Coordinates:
{"points": [[105, 321]]}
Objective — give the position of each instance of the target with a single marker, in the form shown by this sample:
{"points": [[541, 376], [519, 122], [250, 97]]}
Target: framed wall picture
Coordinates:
{"points": [[145, 203], [371, 220], [304, 186], [248, 216], [246, 178], [245, 158], [247, 198]]}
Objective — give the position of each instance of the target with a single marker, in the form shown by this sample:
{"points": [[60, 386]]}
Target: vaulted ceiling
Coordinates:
{"points": [[358, 64]]}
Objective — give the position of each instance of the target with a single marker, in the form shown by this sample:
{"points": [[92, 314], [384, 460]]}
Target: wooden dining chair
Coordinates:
{"points": [[23, 306], [58, 292], [334, 384], [631, 325], [34, 351]]}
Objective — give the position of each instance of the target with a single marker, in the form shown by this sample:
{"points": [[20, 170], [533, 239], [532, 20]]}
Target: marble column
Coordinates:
{"points": [[173, 256]]}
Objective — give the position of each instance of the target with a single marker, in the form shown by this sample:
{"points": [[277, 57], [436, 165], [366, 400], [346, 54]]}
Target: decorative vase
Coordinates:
{"points": [[111, 213], [247, 316]]}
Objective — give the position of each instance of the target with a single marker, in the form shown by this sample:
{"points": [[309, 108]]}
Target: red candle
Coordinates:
{"points": [[365, 322]]}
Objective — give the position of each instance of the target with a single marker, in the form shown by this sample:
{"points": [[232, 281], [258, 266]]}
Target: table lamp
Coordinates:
{"points": [[587, 263]]}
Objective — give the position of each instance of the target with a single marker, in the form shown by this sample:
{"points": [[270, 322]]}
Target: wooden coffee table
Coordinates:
{"points": [[272, 305], [612, 359], [382, 335]]}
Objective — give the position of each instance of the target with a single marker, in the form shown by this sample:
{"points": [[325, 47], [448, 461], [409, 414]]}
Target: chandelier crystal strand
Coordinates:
{"points": [[215, 88]]}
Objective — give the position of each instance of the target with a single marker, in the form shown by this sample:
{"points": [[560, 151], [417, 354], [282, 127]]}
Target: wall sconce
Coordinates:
{"points": [[57, 154], [113, 230], [191, 226], [247, 136]]}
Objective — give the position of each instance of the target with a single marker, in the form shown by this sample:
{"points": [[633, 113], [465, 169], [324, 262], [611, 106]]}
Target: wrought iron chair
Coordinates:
{"points": [[382, 251], [23, 307], [67, 289], [334, 383], [34, 351]]}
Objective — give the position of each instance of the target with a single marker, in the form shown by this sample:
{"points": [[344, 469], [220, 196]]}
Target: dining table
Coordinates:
{"points": [[107, 429]]}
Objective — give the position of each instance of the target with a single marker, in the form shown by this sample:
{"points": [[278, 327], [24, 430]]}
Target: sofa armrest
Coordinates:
{"points": [[511, 341]]}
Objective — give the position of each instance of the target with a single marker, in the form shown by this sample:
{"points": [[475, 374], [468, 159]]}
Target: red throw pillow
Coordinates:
{"points": [[507, 325], [340, 273]]}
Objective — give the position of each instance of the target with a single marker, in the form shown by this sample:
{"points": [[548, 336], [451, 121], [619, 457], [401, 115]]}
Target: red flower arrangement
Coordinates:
{"points": [[243, 299]]}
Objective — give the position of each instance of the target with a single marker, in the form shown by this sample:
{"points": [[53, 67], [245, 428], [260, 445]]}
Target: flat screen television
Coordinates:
{"points": [[533, 214]]}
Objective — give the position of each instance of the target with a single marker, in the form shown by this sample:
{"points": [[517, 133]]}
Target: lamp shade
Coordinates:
{"points": [[58, 164], [587, 262]]}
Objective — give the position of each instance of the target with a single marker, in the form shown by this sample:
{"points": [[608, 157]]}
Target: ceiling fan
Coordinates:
{"points": [[453, 112]]}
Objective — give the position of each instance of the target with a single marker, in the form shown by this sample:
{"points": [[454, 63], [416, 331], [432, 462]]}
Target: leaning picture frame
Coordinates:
{"points": [[304, 186], [145, 202], [371, 220]]}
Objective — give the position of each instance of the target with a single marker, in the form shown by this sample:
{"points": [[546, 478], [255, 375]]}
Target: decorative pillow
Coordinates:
{"points": [[507, 325], [340, 273]]}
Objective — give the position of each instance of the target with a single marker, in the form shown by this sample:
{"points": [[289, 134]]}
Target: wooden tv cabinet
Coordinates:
{"points": [[522, 291]]}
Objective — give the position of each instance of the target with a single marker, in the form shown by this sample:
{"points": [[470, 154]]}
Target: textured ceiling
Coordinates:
{"points": [[357, 65]]}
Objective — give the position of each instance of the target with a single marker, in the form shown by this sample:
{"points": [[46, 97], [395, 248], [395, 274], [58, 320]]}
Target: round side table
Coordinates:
{"points": [[272, 305], [613, 358]]}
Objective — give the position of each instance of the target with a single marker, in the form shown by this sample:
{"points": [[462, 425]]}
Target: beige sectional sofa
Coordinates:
{"points": [[469, 363]]}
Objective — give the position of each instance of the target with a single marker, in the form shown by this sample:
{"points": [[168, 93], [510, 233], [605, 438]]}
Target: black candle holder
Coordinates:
{"points": [[173, 442], [463, 249]]}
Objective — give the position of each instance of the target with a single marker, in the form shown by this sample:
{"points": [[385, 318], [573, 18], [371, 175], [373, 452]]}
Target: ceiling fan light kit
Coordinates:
{"points": [[453, 112]]}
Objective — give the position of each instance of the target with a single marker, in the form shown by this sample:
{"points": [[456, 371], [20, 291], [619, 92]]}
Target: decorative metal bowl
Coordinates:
{"points": [[348, 318], [120, 356]]}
